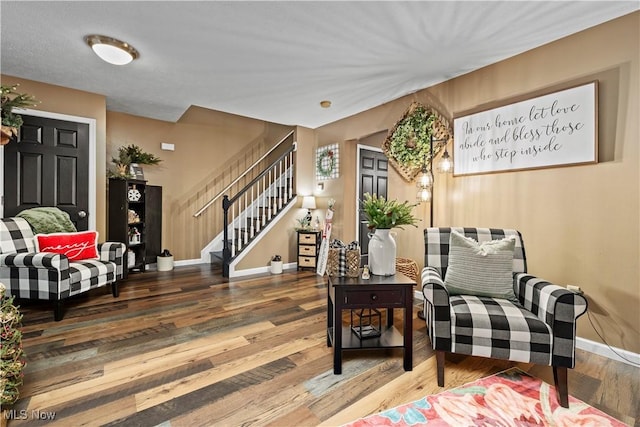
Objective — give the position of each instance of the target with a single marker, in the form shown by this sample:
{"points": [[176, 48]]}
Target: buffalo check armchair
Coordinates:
{"points": [[534, 324], [52, 276]]}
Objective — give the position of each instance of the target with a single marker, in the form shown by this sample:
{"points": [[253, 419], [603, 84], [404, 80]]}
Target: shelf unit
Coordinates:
{"points": [[308, 245], [135, 219]]}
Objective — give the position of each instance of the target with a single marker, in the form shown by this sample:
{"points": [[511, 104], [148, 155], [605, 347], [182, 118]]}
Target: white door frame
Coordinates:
{"points": [[359, 148], [92, 157]]}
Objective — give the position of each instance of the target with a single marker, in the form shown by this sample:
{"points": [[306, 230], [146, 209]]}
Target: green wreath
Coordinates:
{"points": [[411, 139], [320, 163]]}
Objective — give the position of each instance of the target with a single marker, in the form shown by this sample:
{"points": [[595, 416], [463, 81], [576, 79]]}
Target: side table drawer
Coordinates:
{"points": [[306, 261], [374, 298], [307, 250], [307, 238]]}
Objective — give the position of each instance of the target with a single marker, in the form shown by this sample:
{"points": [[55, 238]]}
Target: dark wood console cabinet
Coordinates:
{"points": [[135, 219]]}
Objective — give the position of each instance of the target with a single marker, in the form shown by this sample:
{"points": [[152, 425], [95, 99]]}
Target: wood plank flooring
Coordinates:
{"points": [[189, 348]]}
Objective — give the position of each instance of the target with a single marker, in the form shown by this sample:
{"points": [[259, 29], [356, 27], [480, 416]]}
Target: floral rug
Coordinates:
{"points": [[509, 398]]}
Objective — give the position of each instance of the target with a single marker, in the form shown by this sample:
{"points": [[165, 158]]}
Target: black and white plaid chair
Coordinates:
{"points": [[541, 329], [48, 276]]}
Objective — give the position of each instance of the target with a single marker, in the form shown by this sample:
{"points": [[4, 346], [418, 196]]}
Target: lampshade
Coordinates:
{"points": [[445, 165], [308, 202], [425, 179], [423, 195], [112, 50]]}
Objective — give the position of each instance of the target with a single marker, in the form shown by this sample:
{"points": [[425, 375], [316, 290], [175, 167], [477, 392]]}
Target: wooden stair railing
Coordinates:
{"points": [[247, 213]]}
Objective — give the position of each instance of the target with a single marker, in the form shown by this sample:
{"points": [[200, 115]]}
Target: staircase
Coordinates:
{"points": [[248, 214]]}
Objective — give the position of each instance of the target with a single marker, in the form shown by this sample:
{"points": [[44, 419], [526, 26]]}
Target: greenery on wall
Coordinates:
{"points": [[408, 143], [411, 139]]}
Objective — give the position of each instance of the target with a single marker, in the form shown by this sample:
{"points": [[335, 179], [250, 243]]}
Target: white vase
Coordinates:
{"points": [[382, 253]]}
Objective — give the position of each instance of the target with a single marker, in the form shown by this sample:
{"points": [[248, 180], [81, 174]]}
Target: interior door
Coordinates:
{"points": [[48, 166], [373, 178]]}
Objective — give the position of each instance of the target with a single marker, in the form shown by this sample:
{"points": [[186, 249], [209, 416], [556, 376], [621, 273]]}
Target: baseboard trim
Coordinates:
{"points": [[184, 262], [600, 349], [261, 270]]}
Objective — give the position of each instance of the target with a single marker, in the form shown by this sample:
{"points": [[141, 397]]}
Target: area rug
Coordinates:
{"points": [[509, 398]]}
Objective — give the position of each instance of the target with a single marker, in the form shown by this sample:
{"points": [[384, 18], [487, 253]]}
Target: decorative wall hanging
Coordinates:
{"points": [[327, 162], [556, 129], [408, 143]]}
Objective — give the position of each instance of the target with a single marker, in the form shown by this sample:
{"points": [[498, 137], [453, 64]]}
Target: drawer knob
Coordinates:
{"points": [[374, 297]]}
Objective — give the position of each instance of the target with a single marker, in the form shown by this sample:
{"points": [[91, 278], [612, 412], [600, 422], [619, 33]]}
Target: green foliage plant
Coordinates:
{"points": [[127, 155], [386, 214], [11, 121], [11, 99], [410, 141], [134, 154], [12, 356]]}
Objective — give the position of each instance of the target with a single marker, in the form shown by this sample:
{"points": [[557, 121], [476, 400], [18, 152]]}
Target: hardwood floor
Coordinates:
{"points": [[189, 348]]}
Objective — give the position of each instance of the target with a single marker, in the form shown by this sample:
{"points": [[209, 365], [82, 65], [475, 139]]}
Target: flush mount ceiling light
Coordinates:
{"points": [[112, 50], [325, 104]]}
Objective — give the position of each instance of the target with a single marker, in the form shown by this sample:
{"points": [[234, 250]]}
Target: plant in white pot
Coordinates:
{"points": [[383, 215]]}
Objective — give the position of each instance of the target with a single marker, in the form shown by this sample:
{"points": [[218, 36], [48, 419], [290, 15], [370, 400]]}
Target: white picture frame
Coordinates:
{"points": [[556, 129]]}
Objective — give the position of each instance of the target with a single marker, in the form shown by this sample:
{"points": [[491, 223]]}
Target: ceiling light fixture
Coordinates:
{"points": [[325, 104], [111, 50]]}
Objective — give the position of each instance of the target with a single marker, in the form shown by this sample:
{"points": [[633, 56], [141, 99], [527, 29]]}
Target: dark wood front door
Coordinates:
{"points": [[48, 166], [374, 167]]}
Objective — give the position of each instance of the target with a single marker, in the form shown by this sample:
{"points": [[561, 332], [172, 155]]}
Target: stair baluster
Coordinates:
{"points": [[257, 205]]}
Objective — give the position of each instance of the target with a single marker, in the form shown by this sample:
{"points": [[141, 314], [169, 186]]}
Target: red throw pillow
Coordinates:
{"points": [[76, 246]]}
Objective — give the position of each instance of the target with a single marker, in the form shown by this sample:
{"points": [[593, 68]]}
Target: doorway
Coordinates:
{"points": [[373, 168], [52, 164]]}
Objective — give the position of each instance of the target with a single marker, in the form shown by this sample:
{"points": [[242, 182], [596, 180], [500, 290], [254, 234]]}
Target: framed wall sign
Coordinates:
{"points": [[556, 129]]}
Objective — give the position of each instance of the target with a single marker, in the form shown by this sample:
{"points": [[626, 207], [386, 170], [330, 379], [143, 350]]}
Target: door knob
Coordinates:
{"points": [[82, 214]]}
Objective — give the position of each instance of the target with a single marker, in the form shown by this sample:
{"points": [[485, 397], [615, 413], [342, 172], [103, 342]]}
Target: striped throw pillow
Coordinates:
{"points": [[480, 269]]}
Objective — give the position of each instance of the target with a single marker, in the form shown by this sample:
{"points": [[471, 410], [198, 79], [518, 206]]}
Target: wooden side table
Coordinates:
{"points": [[308, 246], [346, 293]]}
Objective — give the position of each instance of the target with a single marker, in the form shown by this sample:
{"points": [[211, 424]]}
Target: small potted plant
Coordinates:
{"points": [[382, 215], [11, 121], [128, 156], [276, 264]]}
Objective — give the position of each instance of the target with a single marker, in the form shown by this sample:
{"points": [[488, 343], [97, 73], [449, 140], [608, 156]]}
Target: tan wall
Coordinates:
{"points": [[580, 224], [61, 100], [210, 150]]}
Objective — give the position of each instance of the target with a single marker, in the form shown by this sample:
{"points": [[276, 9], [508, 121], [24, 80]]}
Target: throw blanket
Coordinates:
{"points": [[48, 220]]}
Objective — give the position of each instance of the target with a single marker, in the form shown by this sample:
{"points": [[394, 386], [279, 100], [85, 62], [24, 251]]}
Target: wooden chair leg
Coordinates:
{"points": [[58, 313], [440, 364], [562, 389], [114, 289]]}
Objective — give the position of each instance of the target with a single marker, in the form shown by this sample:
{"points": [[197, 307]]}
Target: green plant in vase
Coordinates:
{"points": [[382, 215]]}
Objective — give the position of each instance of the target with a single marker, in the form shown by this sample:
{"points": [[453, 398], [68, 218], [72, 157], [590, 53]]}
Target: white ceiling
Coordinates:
{"points": [[276, 61]]}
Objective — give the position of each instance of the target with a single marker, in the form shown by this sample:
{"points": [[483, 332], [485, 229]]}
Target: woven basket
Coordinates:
{"points": [[441, 131], [352, 259], [408, 267]]}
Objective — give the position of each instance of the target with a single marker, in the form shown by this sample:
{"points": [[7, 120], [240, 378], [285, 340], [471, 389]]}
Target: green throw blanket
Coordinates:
{"points": [[48, 220]]}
